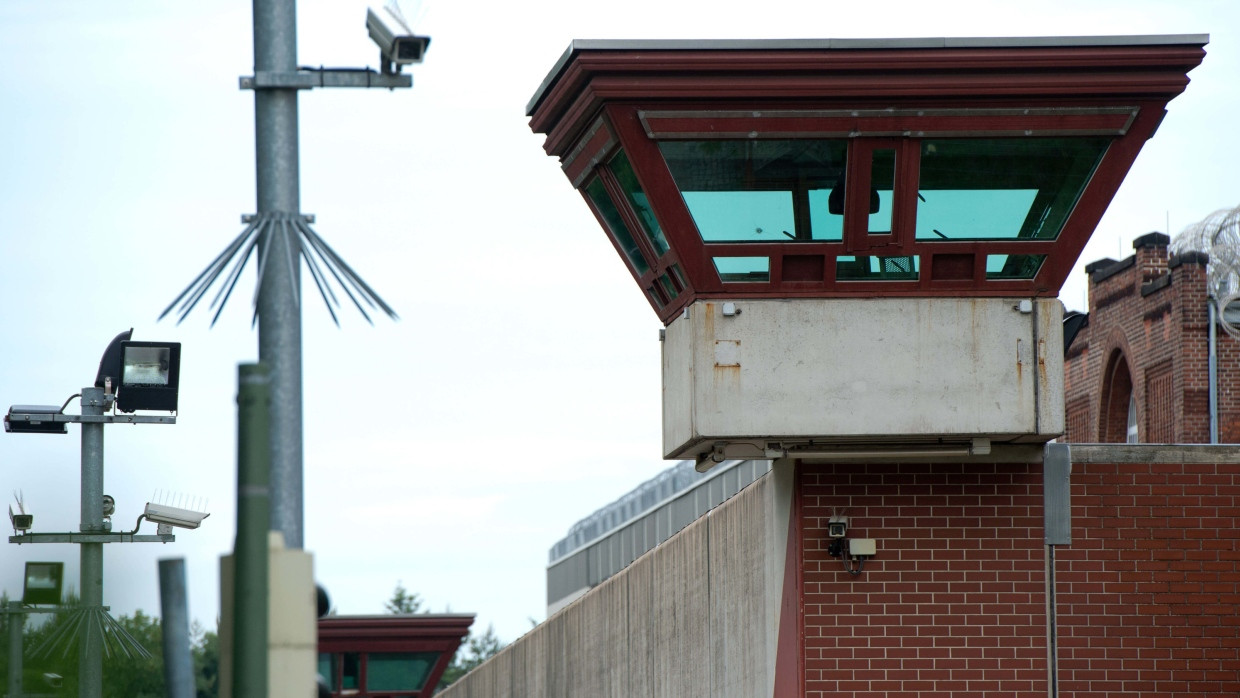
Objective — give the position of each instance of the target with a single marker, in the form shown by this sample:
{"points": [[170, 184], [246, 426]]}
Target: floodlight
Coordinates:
{"points": [[150, 376], [174, 516], [43, 582], [144, 375], [34, 419]]}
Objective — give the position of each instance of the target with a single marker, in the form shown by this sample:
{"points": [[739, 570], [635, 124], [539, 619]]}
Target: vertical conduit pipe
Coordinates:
{"points": [[1213, 371], [1057, 530]]}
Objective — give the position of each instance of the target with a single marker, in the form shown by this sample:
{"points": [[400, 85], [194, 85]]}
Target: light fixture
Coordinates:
{"points": [[43, 582], [34, 419], [143, 375]]}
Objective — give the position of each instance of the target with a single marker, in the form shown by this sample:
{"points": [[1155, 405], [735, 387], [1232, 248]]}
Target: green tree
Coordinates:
{"points": [[131, 675], [50, 646], [474, 650], [206, 653], [402, 601]]}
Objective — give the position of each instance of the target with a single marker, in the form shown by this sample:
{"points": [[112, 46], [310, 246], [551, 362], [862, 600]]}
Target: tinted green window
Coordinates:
{"points": [[732, 269], [862, 268], [666, 282], [1002, 188], [623, 171], [398, 671], [882, 183], [615, 224], [350, 670], [759, 190], [327, 669], [1013, 266]]}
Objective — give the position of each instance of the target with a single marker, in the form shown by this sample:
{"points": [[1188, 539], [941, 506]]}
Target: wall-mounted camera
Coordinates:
{"points": [[837, 526], [398, 45]]}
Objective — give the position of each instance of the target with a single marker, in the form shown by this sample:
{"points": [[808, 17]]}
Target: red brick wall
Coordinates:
{"points": [[1155, 313], [1149, 590], [954, 602]]}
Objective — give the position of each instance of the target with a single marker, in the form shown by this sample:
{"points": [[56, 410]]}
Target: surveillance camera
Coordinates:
{"points": [[174, 516], [837, 526], [53, 680], [21, 522], [398, 45], [34, 419]]}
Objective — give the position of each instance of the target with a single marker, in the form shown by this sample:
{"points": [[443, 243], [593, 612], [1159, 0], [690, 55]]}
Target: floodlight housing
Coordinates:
{"points": [[143, 375], [174, 516], [43, 582], [150, 375], [34, 419]]}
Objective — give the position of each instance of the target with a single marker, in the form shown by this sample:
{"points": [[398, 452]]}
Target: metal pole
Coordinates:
{"points": [[279, 312], [16, 620], [90, 650], [250, 632], [174, 614], [1212, 364]]}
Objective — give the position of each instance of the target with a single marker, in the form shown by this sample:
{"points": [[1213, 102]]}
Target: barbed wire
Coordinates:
{"points": [[1217, 235]]}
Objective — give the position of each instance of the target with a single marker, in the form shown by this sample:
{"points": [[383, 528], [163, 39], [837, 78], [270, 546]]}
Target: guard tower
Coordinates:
{"points": [[856, 245]]}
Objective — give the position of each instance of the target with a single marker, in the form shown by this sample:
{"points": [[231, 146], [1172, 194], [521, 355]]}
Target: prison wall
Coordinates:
{"points": [[699, 615], [1147, 594]]}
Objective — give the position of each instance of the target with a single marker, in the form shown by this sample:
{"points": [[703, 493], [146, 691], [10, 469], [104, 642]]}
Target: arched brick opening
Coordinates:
{"points": [[1117, 400]]}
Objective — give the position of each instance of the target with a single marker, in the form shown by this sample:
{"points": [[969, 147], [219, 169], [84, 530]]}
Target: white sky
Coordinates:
{"points": [[520, 389]]}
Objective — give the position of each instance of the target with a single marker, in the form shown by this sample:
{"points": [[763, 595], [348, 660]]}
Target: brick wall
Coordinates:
{"points": [[1149, 590], [1151, 311], [954, 602]]}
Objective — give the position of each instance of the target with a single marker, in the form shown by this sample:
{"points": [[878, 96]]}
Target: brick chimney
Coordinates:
{"points": [[1151, 254]]}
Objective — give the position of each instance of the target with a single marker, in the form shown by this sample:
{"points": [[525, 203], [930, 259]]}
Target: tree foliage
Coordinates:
{"points": [[124, 675], [474, 649], [402, 601]]}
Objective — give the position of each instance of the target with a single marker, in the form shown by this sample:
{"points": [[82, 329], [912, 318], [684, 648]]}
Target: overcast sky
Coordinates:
{"points": [[520, 389]]}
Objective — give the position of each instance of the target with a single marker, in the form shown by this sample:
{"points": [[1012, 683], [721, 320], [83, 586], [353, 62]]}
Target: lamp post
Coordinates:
{"points": [[281, 235], [132, 376]]}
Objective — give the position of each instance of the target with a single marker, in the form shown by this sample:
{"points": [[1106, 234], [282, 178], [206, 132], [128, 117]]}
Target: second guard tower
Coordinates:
{"points": [[856, 248]]}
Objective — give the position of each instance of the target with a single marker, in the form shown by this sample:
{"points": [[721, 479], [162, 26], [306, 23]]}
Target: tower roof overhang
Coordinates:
{"points": [[739, 168]]}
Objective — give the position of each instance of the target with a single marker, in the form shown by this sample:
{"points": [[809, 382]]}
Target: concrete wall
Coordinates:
{"points": [[699, 615], [860, 370], [576, 573]]}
